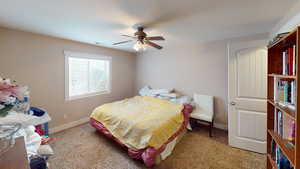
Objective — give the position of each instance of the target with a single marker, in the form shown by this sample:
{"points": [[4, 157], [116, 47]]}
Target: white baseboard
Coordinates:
{"points": [[221, 126], [68, 125], [217, 125]]}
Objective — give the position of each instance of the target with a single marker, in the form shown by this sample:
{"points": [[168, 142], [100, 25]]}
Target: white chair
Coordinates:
{"points": [[204, 110]]}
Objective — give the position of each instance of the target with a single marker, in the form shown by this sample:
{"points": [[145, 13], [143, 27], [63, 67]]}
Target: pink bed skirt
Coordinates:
{"points": [[147, 154]]}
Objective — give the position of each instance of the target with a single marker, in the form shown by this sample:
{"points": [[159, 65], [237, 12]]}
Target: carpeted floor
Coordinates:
{"points": [[83, 148]]}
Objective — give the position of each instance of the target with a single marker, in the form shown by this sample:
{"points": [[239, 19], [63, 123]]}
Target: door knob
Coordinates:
{"points": [[232, 103]]}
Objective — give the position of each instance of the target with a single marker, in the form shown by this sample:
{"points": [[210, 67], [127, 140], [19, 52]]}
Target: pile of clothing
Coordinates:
{"points": [[168, 94], [35, 135], [29, 122]]}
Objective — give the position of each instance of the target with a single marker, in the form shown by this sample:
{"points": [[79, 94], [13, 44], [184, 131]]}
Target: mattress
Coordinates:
{"points": [[169, 148], [141, 121], [149, 154]]}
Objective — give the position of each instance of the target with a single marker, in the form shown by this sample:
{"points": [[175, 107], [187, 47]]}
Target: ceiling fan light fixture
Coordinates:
{"points": [[139, 46], [142, 41]]}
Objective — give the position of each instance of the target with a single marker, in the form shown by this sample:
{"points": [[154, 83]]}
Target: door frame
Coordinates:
{"points": [[232, 48]]}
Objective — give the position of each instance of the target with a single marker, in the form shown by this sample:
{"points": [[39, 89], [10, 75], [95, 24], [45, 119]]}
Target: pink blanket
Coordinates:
{"points": [[148, 154]]}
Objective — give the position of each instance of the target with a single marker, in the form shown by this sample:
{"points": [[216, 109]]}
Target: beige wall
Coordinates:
{"points": [[191, 68], [289, 22], [38, 61]]}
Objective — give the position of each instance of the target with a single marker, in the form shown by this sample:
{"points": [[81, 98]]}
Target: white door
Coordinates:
{"points": [[247, 104]]}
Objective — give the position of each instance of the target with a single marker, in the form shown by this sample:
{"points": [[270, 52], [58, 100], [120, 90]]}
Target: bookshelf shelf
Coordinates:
{"points": [[282, 76], [286, 110], [289, 152], [272, 162], [283, 58]]}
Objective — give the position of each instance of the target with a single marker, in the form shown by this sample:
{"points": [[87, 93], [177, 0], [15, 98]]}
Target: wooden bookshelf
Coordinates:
{"points": [[288, 152], [290, 112], [282, 76], [275, 52], [272, 162]]}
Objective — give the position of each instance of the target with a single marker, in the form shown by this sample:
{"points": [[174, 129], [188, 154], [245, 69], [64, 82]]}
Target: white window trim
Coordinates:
{"points": [[86, 56]]}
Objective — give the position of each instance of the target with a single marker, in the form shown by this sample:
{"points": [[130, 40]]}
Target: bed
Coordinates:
{"points": [[148, 127]]}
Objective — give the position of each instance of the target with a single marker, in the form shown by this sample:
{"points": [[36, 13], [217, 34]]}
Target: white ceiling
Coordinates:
{"points": [[178, 21]]}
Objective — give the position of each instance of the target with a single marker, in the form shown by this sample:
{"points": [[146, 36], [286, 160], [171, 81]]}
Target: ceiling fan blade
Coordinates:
{"points": [[155, 38], [128, 36], [153, 45], [122, 42]]}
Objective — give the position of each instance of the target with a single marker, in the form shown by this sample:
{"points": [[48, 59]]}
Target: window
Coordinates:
{"points": [[86, 75]]}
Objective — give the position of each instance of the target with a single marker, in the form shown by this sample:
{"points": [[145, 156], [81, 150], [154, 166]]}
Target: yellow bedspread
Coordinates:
{"points": [[141, 121]]}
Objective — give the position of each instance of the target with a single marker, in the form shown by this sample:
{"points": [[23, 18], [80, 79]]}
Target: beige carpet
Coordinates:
{"points": [[83, 148]]}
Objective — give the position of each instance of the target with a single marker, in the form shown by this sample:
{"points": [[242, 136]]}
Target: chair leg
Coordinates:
{"points": [[193, 123], [210, 129]]}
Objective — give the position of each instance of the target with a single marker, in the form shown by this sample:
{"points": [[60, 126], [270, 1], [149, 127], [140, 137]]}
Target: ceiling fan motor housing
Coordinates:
{"points": [[140, 34]]}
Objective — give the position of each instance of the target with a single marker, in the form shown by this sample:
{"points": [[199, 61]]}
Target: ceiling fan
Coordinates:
{"points": [[142, 40]]}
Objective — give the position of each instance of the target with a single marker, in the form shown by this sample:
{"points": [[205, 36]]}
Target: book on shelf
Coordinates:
{"points": [[275, 121], [280, 124], [293, 92], [284, 63], [286, 96], [285, 92], [291, 130], [284, 127], [288, 130], [294, 60], [284, 163], [273, 150], [289, 61], [280, 159]]}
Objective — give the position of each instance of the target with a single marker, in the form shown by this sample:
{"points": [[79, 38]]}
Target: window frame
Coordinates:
{"points": [[71, 54]]}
